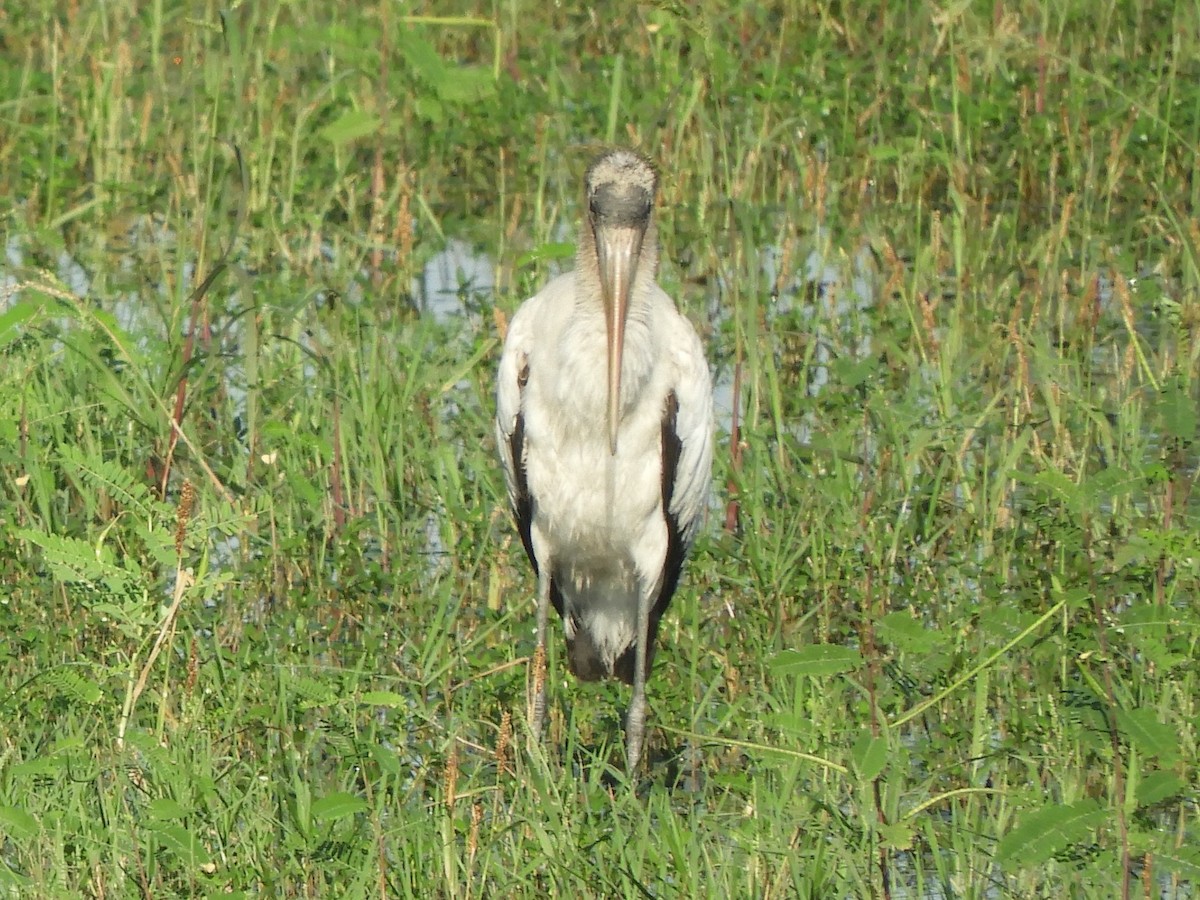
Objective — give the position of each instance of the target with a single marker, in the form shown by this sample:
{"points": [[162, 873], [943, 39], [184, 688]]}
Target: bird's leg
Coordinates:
{"points": [[537, 712], [635, 723]]}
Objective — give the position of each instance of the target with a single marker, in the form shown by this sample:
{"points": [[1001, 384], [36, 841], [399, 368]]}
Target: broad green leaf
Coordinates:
{"points": [[1177, 410], [311, 692], [1142, 728], [17, 824], [850, 373], [1159, 786], [431, 109], [337, 806], [1003, 623], [1184, 862], [465, 84], [897, 835], [350, 127], [14, 883], [383, 698], [902, 630], [344, 37], [1044, 832], [13, 317], [870, 755], [387, 760], [53, 765], [422, 57], [165, 808], [817, 659], [184, 845]]}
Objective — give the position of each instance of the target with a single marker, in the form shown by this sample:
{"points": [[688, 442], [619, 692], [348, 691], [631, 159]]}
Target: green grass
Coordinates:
{"points": [[948, 646]]}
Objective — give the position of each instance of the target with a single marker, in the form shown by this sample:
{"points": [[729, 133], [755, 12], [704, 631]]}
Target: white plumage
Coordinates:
{"points": [[604, 423]]}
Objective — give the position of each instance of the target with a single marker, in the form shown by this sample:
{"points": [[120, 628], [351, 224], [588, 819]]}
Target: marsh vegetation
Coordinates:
{"points": [[266, 621]]}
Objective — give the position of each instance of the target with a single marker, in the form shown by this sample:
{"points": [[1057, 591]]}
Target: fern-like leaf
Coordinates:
{"points": [[110, 477]]}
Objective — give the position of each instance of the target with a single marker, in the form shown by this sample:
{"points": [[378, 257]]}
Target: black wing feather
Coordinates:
{"points": [[523, 500], [672, 447]]}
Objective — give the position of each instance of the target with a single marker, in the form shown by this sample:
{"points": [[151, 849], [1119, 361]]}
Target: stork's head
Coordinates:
{"points": [[620, 198]]}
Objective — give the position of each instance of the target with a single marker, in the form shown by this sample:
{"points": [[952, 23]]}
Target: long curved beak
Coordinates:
{"points": [[618, 249]]}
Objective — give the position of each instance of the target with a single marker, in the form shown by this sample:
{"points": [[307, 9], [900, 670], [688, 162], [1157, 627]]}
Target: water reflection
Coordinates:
{"points": [[454, 282]]}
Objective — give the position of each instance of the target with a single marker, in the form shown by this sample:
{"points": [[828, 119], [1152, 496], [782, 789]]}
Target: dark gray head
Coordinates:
{"points": [[620, 189]]}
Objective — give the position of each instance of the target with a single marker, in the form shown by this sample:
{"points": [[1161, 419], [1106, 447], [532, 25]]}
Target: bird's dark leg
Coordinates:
{"points": [[537, 710], [635, 723]]}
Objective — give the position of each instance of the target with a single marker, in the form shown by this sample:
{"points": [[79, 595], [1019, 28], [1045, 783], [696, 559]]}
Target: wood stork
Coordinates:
{"points": [[604, 423]]}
